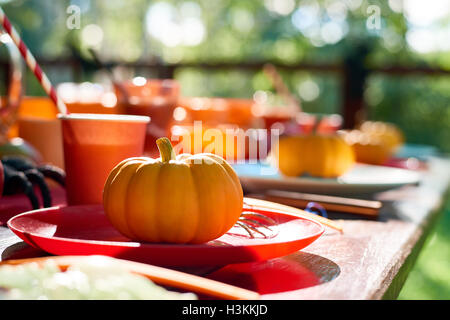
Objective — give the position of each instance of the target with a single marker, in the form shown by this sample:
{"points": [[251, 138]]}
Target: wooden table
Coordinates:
{"points": [[370, 260]]}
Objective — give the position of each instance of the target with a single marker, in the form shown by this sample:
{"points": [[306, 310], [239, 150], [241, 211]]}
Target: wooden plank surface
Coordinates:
{"points": [[371, 259]]}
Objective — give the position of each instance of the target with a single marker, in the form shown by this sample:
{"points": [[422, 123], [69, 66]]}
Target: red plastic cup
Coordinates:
{"points": [[93, 145]]}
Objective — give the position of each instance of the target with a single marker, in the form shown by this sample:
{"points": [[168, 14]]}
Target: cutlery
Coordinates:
{"points": [[263, 203], [368, 208]]}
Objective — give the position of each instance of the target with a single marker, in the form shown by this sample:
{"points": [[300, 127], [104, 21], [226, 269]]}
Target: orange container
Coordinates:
{"points": [[93, 145], [272, 115], [216, 111], [211, 111], [38, 125], [226, 140], [88, 97], [240, 111], [42, 107], [322, 123], [155, 98]]}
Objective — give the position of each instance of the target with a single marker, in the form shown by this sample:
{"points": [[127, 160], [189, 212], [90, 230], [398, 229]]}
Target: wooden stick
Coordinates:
{"points": [[298, 212], [159, 275], [280, 86], [332, 203], [111, 76]]}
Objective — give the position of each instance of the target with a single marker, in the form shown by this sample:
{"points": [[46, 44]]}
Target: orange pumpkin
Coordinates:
{"points": [[174, 199], [227, 141], [374, 142], [325, 156], [368, 149], [388, 133]]}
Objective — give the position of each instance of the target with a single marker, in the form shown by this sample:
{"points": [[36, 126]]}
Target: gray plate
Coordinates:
{"points": [[361, 179]]}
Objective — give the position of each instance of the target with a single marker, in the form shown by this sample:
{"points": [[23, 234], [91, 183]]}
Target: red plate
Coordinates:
{"points": [[85, 230]]}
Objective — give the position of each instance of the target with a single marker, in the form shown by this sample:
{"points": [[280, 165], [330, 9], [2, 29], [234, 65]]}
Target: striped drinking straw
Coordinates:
{"points": [[31, 62]]}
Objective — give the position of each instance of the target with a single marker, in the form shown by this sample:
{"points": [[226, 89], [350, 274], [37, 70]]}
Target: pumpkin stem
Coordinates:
{"points": [[165, 149]]}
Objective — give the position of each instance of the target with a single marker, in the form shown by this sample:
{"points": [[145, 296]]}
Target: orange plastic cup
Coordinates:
{"points": [[93, 145], [38, 125]]}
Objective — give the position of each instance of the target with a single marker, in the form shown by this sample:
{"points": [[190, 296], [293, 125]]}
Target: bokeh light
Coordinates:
{"points": [[282, 7], [92, 35], [174, 26]]}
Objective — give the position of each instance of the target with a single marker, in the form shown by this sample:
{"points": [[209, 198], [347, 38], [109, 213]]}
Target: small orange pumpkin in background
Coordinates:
{"points": [[326, 156], [368, 149], [173, 199], [374, 142], [390, 134], [227, 141]]}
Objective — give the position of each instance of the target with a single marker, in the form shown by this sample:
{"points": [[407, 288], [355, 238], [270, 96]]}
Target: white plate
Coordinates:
{"points": [[361, 179]]}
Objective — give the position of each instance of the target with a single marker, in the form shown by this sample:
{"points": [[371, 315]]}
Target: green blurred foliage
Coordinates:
{"points": [[417, 104], [430, 277], [288, 32]]}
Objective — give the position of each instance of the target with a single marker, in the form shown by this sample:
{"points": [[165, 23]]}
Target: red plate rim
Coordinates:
{"points": [[30, 237], [131, 243]]}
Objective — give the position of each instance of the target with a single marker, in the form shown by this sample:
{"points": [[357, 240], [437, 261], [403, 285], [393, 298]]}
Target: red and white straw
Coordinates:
{"points": [[31, 62]]}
